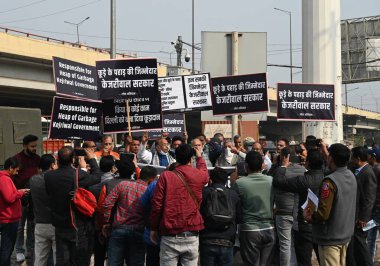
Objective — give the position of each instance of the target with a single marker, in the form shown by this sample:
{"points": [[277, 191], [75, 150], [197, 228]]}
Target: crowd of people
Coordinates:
{"points": [[216, 197]]}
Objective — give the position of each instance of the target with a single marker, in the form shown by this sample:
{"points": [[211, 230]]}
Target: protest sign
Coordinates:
{"points": [[124, 77], [174, 124], [197, 91], [75, 79], [75, 119], [144, 114], [172, 96], [240, 94], [311, 102]]}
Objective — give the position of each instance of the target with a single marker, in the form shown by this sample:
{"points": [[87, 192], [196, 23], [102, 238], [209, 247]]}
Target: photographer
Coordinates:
{"points": [[285, 202], [312, 179]]}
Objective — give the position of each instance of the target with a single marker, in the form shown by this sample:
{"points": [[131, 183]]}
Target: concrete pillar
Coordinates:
{"points": [[321, 61]]}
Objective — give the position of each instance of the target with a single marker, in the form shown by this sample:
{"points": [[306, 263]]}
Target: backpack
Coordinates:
{"points": [[83, 200], [219, 212]]}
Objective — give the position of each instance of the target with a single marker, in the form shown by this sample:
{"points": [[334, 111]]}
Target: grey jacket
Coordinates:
{"points": [[41, 208], [285, 200]]}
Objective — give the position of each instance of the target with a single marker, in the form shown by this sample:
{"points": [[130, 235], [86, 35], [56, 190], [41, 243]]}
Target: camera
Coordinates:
{"points": [[187, 58]]}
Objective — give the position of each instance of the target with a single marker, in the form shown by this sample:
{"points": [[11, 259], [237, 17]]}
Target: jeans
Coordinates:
{"points": [[73, 248], [44, 238], [215, 255], [256, 247], [182, 250], [26, 218], [152, 255], [128, 245], [372, 235], [8, 239], [284, 225], [100, 249]]}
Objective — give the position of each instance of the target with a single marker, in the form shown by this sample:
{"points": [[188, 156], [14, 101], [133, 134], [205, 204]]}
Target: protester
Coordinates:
{"points": [[218, 238], [44, 232], [358, 253], [257, 233], [73, 244], [10, 209], [276, 162], [215, 147], [333, 220], [126, 240], [227, 157], [107, 168], [374, 161], [152, 250], [285, 202], [162, 157], [90, 145], [29, 166], [107, 148], [197, 143], [175, 209], [238, 144], [312, 179]]}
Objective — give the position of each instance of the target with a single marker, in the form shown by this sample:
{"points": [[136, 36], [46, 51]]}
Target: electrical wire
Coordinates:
{"points": [[51, 14], [20, 7]]}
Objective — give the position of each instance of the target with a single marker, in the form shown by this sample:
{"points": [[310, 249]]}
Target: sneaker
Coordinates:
{"points": [[20, 257]]}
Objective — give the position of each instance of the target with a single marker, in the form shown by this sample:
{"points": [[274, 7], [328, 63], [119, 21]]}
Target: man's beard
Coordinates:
{"points": [[28, 152]]}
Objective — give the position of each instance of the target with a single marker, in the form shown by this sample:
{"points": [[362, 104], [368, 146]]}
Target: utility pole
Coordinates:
{"points": [[192, 43], [178, 48], [321, 61], [113, 29], [235, 71]]}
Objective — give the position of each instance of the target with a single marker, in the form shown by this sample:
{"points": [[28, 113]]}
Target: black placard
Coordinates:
{"points": [[311, 102], [124, 77], [75, 119], [145, 113], [239, 94], [75, 79], [174, 124]]}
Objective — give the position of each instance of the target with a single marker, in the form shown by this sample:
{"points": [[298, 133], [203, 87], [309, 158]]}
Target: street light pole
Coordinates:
{"points": [[290, 40], [77, 25], [192, 43]]}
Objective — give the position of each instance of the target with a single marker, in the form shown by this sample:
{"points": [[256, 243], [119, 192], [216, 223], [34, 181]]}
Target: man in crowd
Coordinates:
{"points": [[374, 161], [218, 238], [44, 233], [238, 144], [107, 148], [175, 208], [285, 202], [10, 209], [215, 146], [257, 233], [333, 220], [162, 157], [276, 162], [126, 239], [196, 143], [358, 253], [72, 244], [312, 179], [29, 166], [90, 145]]}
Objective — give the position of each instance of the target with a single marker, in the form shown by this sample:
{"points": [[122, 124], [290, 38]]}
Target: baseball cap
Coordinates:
{"points": [[375, 153]]}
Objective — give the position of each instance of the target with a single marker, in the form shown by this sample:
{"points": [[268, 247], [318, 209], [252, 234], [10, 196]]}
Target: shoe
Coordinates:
{"points": [[20, 257]]}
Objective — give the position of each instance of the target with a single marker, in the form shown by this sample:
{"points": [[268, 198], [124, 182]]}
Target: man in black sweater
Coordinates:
{"points": [[358, 253], [72, 246], [216, 245], [303, 237]]}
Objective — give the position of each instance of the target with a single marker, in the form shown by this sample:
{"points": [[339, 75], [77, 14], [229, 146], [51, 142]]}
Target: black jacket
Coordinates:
{"points": [[300, 184], [376, 170], [283, 199], [366, 195], [230, 233], [59, 183]]}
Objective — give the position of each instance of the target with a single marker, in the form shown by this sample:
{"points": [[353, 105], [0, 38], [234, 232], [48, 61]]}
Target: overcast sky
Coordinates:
{"points": [[147, 27]]}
